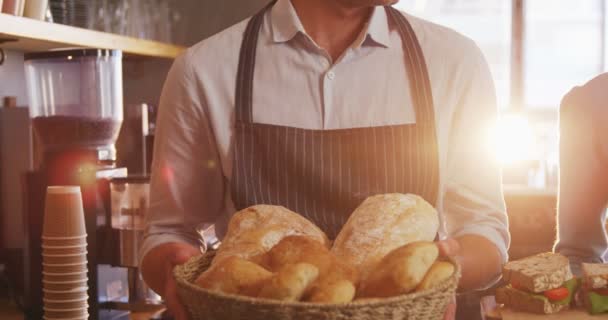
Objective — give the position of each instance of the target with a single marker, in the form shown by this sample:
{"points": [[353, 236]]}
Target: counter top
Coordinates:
{"points": [[10, 312]]}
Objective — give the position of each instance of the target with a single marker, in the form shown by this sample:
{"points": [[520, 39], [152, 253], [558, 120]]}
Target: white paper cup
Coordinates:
{"points": [[64, 241], [63, 213], [83, 236], [65, 296], [65, 313], [64, 267], [81, 289], [73, 249], [64, 277], [66, 305], [35, 9], [64, 258], [64, 286]]}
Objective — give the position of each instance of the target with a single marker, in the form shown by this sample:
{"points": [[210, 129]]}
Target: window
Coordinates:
{"points": [[537, 50], [562, 43], [562, 48], [466, 16]]}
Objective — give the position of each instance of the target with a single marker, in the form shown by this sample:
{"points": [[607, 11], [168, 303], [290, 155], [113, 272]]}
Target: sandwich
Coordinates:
{"points": [[540, 284], [594, 293]]}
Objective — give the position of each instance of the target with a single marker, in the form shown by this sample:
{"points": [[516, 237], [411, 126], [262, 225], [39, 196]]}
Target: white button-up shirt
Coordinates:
{"points": [[297, 84]]}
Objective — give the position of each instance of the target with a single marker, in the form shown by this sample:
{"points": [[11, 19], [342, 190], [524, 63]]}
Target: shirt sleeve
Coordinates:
{"points": [[583, 189], [187, 182], [473, 202]]}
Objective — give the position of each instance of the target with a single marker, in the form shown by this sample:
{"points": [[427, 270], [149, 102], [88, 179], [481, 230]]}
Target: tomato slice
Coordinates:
{"points": [[602, 291], [557, 294]]}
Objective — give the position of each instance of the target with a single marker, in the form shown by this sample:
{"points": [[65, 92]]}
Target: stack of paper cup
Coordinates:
{"points": [[64, 255]]}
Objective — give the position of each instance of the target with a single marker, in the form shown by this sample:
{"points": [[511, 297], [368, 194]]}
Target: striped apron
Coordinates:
{"points": [[325, 174]]}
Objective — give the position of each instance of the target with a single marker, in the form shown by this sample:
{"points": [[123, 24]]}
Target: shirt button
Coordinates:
{"points": [[331, 75]]}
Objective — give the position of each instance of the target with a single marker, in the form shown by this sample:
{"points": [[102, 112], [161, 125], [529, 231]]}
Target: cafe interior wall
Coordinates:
{"points": [[142, 77]]}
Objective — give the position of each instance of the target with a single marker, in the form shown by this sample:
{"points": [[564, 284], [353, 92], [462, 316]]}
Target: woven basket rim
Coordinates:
{"points": [[362, 302]]}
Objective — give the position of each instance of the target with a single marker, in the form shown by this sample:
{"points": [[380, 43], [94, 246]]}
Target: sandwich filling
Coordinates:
{"points": [[595, 293], [562, 295], [598, 301]]}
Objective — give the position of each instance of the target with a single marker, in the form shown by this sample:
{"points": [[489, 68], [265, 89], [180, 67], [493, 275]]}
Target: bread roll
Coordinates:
{"points": [[295, 249], [336, 281], [401, 271], [290, 283], [439, 272], [234, 275], [381, 224], [341, 291], [255, 230]]}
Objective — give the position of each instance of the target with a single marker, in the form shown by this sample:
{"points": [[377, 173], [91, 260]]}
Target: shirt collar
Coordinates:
{"points": [[286, 24]]}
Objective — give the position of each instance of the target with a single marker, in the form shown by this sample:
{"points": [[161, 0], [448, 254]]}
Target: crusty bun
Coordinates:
{"points": [[234, 275], [440, 271], [255, 230], [340, 291], [290, 283], [381, 224], [401, 271]]}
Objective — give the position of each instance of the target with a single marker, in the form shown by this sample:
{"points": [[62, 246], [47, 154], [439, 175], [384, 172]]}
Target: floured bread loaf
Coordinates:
{"points": [[254, 231], [381, 224]]}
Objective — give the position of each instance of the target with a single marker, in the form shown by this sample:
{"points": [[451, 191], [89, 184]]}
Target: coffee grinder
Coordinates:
{"points": [[76, 111]]}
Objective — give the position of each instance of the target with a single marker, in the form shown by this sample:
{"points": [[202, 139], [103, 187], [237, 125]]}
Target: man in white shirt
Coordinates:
{"points": [[315, 105], [583, 187]]}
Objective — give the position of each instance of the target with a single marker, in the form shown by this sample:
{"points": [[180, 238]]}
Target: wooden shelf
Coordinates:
{"points": [[29, 35]]}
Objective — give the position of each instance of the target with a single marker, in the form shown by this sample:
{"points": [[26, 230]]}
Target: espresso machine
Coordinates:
{"points": [[76, 112]]}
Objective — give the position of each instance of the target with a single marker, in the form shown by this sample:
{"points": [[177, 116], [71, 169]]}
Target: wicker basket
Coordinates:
{"points": [[207, 305]]}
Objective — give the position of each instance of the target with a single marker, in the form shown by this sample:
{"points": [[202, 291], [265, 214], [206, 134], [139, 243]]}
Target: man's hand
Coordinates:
{"points": [[157, 270], [478, 258], [450, 248]]}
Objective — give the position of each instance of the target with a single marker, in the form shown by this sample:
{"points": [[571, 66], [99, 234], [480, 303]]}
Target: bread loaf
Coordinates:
{"points": [[234, 275], [255, 230], [381, 224], [401, 271]]}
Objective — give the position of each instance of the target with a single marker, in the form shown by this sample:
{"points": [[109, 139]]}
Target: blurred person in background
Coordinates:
{"points": [[583, 186]]}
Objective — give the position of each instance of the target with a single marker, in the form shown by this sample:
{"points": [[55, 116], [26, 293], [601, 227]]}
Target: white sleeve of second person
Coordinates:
{"points": [[473, 202], [187, 182]]}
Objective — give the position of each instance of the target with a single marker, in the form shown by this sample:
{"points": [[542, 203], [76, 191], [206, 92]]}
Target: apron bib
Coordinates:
{"points": [[325, 174]]}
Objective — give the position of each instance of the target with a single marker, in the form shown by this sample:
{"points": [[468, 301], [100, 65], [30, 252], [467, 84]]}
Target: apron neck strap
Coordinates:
{"points": [[420, 85]]}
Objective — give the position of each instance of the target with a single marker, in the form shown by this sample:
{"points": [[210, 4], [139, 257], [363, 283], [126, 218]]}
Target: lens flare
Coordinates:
{"points": [[513, 140]]}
